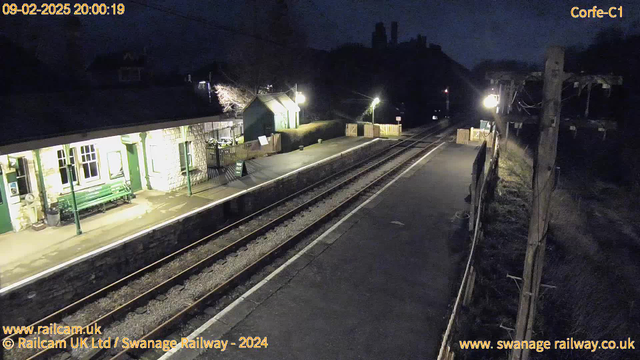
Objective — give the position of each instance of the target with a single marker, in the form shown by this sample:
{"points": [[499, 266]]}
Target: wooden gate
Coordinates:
{"points": [[351, 130]]}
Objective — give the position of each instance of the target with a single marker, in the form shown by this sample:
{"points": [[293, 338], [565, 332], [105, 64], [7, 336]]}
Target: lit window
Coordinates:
{"points": [[189, 156], [89, 159], [22, 176], [129, 74], [62, 165], [114, 160]]}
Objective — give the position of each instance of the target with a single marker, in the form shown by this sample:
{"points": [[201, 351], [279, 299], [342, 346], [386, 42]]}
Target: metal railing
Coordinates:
{"points": [[483, 176]]}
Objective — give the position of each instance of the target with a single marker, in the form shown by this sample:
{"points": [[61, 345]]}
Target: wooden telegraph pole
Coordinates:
{"points": [[544, 167]]}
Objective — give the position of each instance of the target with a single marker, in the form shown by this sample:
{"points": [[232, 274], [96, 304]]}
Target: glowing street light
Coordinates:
{"points": [[300, 98], [490, 101], [446, 91], [375, 102]]}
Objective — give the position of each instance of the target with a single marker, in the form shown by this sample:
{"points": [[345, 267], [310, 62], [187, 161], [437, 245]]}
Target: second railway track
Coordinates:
{"points": [[147, 303]]}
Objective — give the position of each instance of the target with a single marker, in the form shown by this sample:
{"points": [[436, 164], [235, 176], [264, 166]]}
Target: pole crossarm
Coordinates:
{"points": [[583, 79]]}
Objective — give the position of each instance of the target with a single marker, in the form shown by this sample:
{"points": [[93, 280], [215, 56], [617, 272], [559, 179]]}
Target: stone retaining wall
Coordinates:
{"points": [[32, 301]]}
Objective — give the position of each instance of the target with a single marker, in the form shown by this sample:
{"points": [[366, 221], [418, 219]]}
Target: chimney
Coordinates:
{"points": [[394, 33]]}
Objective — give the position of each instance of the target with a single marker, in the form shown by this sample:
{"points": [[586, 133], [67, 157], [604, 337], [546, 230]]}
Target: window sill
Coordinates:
{"points": [[191, 172]]}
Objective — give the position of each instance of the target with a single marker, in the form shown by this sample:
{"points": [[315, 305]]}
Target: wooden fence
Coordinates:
{"points": [[483, 182], [390, 130], [351, 130], [249, 150]]}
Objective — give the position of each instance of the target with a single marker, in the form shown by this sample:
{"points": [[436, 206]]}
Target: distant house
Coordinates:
{"points": [[269, 113], [134, 135], [119, 68]]}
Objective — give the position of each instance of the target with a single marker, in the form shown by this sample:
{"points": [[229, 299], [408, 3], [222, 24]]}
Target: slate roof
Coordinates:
{"points": [[41, 116], [116, 60], [277, 102]]}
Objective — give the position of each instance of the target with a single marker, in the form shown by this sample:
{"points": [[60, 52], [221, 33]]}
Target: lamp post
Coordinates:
{"points": [[446, 91], [375, 102], [74, 203]]}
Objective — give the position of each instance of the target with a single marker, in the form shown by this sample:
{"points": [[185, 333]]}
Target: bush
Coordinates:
{"points": [[310, 133]]}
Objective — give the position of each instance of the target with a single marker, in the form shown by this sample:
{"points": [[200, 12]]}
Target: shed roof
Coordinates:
{"points": [[278, 102], [116, 60]]}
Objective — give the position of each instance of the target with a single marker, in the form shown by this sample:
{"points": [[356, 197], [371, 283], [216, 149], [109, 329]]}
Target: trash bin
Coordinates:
{"points": [[53, 217]]}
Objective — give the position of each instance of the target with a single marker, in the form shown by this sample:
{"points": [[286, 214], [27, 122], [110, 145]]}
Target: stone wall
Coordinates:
{"points": [[164, 157], [40, 297]]}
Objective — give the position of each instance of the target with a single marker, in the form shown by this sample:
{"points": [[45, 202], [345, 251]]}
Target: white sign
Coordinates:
{"points": [[263, 140], [398, 118]]}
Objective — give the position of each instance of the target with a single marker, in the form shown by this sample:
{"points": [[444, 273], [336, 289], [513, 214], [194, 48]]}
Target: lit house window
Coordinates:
{"points": [[89, 159], [62, 165], [189, 156], [22, 176], [129, 74]]}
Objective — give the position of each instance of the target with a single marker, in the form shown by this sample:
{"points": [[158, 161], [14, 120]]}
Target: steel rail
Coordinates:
{"points": [[248, 271], [167, 284], [138, 273]]}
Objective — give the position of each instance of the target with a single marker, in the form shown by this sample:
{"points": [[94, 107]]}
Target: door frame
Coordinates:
{"points": [[5, 221], [136, 171]]}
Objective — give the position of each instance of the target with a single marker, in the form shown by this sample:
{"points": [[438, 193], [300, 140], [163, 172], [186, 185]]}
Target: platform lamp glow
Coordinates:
{"points": [[491, 101], [300, 99], [375, 102]]}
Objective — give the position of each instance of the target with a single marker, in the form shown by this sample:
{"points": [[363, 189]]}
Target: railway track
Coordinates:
{"points": [[280, 214]]}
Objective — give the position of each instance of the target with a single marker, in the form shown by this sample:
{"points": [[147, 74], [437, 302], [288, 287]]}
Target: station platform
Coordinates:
{"points": [[28, 253], [377, 285]]}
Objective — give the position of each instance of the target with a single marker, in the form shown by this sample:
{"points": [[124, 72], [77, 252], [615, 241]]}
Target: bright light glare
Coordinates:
{"points": [[375, 102], [300, 98], [490, 101]]}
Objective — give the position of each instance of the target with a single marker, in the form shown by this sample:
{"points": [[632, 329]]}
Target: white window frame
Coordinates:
{"points": [[23, 165], [119, 162], [74, 164], [87, 158]]}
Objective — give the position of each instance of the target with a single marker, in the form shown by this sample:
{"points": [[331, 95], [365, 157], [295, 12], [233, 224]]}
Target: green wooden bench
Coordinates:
{"points": [[95, 196]]}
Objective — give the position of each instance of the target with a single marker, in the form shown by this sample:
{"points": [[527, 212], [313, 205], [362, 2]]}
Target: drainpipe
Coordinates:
{"points": [[186, 164], [185, 130], [143, 138], [76, 218], [43, 191]]}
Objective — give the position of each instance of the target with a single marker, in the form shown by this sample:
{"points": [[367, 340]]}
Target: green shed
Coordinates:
{"points": [[269, 113]]}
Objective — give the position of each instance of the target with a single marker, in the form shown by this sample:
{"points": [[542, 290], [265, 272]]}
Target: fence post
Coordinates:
{"points": [[473, 188], [217, 148]]}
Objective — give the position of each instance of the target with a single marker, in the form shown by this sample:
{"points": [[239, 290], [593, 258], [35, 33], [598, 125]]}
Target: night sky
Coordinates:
{"points": [[468, 31]]}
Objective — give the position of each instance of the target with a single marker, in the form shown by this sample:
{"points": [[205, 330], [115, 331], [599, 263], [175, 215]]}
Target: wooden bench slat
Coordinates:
{"points": [[95, 196]]}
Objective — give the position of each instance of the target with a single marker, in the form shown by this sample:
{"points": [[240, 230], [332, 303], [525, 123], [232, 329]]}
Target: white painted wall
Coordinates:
{"points": [[162, 148]]}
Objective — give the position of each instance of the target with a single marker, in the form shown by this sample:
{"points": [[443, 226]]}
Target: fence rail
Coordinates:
{"points": [[249, 150], [483, 179]]}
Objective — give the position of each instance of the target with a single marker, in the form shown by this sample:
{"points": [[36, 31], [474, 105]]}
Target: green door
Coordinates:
{"points": [[134, 167], [5, 218]]}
